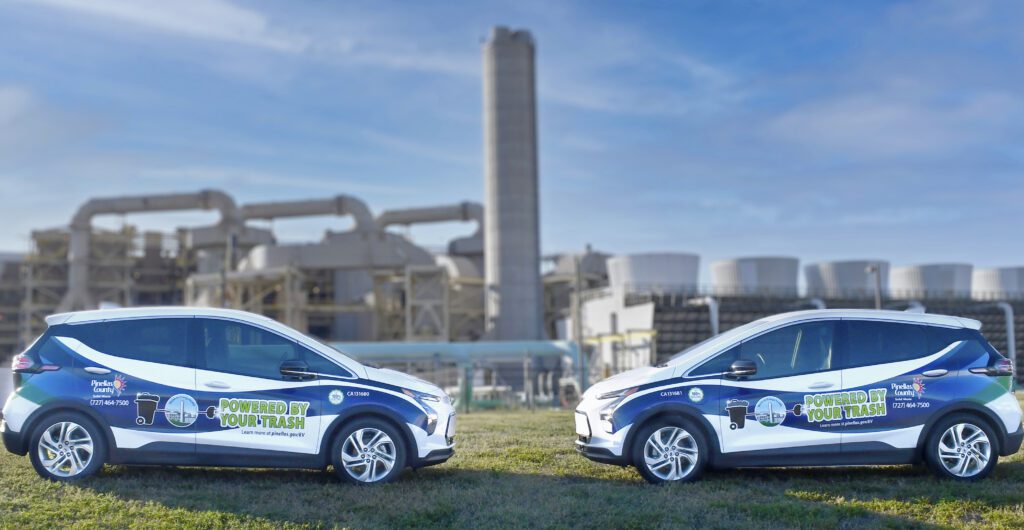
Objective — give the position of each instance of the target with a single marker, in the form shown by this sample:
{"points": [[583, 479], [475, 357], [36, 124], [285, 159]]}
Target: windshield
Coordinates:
{"points": [[721, 338]]}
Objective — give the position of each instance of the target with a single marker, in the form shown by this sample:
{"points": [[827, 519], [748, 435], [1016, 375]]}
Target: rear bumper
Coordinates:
{"points": [[13, 441], [1013, 442]]}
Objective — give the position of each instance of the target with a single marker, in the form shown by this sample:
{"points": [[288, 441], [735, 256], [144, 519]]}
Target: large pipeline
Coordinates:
{"points": [[341, 205], [78, 295]]}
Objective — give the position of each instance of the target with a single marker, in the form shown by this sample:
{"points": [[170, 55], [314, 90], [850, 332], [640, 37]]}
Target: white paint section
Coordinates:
{"points": [[266, 439], [1008, 409], [870, 375], [898, 438], [134, 439], [755, 437], [17, 410], [167, 375], [222, 382]]}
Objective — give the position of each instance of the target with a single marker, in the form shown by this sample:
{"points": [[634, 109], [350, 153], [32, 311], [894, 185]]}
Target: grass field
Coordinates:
{"points": [[513, 469]]}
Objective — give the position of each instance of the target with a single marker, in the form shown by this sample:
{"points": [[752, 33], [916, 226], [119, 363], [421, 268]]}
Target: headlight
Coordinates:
{"points": [[423, 399], [606, 413]]}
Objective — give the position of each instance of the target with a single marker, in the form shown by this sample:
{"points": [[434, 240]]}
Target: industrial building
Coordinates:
{"points": [[488, 312]]}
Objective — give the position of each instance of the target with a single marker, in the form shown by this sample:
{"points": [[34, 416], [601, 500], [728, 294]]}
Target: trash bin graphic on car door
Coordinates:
{"points": [[146, 407]]}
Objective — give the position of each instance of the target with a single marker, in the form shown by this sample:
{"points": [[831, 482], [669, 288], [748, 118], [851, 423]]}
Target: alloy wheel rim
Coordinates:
{"points": [[368, 455], [65, 449], [964, 450], [670, 453]]}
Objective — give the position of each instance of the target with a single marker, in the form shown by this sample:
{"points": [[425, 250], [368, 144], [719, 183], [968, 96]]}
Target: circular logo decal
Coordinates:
{"points": [[335, 397], [696, 394], [181, 410], [770, 411]]}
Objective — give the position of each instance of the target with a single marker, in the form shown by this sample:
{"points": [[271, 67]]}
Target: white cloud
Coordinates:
{"points": [[29, 125], [208, 19], [893, 123]]}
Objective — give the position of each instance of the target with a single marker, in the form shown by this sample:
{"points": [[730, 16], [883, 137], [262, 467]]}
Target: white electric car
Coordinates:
{"points": [[828, 387], [196, 386]]}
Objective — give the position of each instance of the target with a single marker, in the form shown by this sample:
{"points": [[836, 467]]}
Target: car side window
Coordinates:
{"points": [[792, 350], [155, 340], [874, 342], [243, 349], [717, 364]]}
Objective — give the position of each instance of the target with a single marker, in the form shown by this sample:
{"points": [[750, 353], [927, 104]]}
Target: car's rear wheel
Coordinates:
{"points": [[670, 451], [961, 447], [67, 447], [368, 451]]}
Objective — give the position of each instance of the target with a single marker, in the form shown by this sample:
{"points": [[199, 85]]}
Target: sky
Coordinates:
{"points": [[822, 130]]}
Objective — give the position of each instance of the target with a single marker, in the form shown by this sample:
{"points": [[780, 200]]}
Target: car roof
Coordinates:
{"points": [[878, 314], [97, 315]]}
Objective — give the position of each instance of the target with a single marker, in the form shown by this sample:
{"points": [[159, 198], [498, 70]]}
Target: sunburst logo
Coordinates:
{"points": [[120, 384], [919, 386]]}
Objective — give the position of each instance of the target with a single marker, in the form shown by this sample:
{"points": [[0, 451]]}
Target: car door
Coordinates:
{"points": [[250, 406], [140, 378], [765, 415], [899, 373]]}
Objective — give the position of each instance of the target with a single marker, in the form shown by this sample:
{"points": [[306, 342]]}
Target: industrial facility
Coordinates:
{"points": [[489, 314]]}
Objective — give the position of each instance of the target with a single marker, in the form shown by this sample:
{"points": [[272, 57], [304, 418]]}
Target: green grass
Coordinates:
{"points": [[512, 469]]}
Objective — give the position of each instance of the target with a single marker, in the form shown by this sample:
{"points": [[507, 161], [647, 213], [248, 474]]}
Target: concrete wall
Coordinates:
{"points": [[6, 382]]}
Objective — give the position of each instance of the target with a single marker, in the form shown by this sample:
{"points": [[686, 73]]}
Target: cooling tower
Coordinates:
{"points": [[512, 237], [672, 272], [943, 280], [841, 279], [997, 284], [755, 275]]}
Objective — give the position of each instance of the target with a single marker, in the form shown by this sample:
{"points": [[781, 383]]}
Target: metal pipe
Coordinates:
{"points": [[1011, 339], [463, 211], [78, 295], [340, 205]]}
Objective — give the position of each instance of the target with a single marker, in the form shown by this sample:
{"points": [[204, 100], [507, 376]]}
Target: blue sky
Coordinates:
{"points": [[824, 130]]}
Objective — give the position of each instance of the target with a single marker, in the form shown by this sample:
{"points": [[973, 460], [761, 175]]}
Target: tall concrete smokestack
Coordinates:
{"points": [[512, 237]]}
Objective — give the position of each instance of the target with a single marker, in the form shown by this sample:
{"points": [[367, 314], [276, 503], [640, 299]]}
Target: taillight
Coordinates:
{"points": [[23, 364], [999, 368]]}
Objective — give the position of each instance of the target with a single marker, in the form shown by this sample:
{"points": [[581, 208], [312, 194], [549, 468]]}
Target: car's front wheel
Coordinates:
{"points": [[961, 447], [368, 451], [670, 451], [67, 447]]}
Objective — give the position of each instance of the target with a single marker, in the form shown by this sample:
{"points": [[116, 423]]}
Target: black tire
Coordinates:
{"points": [[375, 463], [935, 439], [695, 434], [98, 443]]}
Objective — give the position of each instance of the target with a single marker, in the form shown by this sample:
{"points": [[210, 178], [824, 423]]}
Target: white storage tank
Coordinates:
{"points": [[848, 278], [755, 275], [655, 272], [1000, 283], [942, 280]]}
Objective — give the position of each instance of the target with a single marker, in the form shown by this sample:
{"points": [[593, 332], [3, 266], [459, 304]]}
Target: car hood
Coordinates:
{"points": [[399, 379], [630, 378]]}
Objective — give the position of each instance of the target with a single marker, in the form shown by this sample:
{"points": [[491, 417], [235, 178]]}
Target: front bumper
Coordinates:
{"points": [[601, 454], [433, 458], [595, 443]]}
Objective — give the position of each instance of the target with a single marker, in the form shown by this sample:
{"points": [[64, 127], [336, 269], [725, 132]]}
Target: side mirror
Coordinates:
{"points": [[296, 371], [741, 368]]}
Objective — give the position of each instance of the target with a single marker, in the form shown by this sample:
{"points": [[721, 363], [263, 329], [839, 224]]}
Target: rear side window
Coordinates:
{"points": [[239, 348], [155, 340], [872, 342]]}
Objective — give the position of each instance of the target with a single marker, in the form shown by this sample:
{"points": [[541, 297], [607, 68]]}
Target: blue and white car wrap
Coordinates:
{"points": [[834, 416], [160, 413]]}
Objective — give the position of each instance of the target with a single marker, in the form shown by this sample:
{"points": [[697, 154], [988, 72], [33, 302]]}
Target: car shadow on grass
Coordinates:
{"points": [[449, 496]]}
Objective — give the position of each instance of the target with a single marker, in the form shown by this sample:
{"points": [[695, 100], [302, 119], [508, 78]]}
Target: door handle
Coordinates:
{"points": [[820, 385], [97, 370], [938, 372], [216, 384]]}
